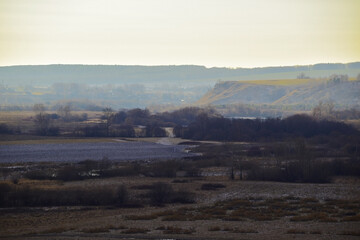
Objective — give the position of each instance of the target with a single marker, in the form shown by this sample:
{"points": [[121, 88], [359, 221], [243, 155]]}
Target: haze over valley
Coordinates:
{"points": [[93, 87], [181, 119]]}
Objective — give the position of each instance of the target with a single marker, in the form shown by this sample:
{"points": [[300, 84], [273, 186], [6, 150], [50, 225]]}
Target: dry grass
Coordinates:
{"points": [[244, 230], [135, 231], [57, 230], [96, 230], [354, 218], [102, 229], [233, 218], [212, 186], [209, 217], [176, 217], [214, 229], [280, 82], [299, 210], [295, 231], [350, 233], [322, 217], [141, 217], [178, 230]]}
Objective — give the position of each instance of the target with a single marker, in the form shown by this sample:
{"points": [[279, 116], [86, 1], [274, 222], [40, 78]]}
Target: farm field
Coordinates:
{"points": [[288, 82], [79, 151]]}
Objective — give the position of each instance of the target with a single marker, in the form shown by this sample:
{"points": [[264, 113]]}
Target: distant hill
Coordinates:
{"points": [[292, 91], [156, 86], [45, 75]]}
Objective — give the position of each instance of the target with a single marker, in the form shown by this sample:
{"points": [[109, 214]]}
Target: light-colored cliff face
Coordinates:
{"points": [[277, 92]]}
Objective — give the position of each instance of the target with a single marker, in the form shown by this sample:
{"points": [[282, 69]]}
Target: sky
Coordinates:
{"points": [[221, 33]]}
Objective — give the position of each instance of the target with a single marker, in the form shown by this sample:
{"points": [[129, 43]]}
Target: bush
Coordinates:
{"points": [[91, 131], [161, 193], [155, 131], [212, 186], [121, 171], [270, 174], [314, 172], [68, 173], [53, 131], [122, 196], [5, 129], [37, 175], [23, 196], [183, 197], [164, 169], [123, 131]]}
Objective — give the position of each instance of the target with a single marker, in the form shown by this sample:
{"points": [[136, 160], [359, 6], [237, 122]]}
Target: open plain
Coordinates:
{"points": [[240, 210]]}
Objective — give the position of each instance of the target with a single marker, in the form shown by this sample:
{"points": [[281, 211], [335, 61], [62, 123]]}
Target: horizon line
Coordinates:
{"points": [[176, 65]]}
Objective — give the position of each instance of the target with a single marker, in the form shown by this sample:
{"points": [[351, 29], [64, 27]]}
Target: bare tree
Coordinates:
{"points": [[335, 78], [39, 108], [324, 110], [302, 76], [65, 112], [108, 116], [42, 121]]}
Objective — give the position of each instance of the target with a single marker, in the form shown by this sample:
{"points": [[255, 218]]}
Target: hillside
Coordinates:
{"points": [[295, 91], [94, 86], [46, 75]]}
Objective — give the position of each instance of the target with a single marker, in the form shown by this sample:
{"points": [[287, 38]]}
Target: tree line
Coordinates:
{"points": [[225, 129]]}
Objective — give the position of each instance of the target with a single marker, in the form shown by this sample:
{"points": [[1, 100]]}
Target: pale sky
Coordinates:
{"points": [[230, 33]]}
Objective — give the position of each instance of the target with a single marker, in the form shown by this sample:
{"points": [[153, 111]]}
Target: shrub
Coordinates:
{"points": [[135, 230], [24, 196], [55, 230], [161, 193], [5, 129], [180, 181], [143, 187], [96, 230], [295, 231], [122, 196], [155, 131], [53, 131], [350, 233], [183, 197], [37, 175], [213, 229], [237, 230], [164, 169], [68, 173], [177, 230], [212, 186], [119, 172]]}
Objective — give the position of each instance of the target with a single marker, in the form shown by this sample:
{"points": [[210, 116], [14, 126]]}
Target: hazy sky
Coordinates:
{"points": [[232, 33]]}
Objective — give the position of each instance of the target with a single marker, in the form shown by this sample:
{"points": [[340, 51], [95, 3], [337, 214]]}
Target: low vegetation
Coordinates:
{"points": [[212, 186], [14, 195], [259, 210], [159, 194], [299, 149]]}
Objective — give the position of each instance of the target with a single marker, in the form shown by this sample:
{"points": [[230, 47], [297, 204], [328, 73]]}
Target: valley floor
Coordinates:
{"points": [[240, 210]]}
